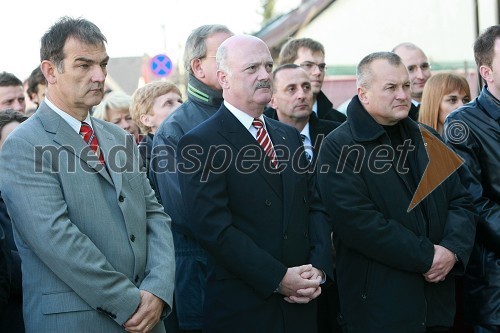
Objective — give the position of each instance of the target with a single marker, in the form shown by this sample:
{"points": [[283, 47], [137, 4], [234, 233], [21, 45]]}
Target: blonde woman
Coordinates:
{"points": [[151, 104], [443, 93], [115, 108]]}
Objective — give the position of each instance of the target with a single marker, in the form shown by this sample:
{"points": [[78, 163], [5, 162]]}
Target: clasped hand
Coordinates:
{"points": [[301, 284], [442, 263]]}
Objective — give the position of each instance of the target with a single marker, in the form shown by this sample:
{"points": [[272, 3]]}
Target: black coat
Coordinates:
{"points": [[254, 223], [480, 149], [383, 250]]}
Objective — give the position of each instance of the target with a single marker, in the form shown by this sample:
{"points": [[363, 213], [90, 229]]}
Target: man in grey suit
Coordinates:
{"points": [[96, 247]]}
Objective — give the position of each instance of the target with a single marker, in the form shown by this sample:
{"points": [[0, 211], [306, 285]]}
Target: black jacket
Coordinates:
{"points": [[326, 110], [382, 249], [202, 103], [474, 132]]}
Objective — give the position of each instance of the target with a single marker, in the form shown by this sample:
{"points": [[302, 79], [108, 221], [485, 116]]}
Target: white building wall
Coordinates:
{"points": [[444, 29]]}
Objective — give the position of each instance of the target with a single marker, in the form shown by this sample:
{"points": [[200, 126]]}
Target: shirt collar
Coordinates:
{"points": [[243, 117], [72, 121], [305, 131]]}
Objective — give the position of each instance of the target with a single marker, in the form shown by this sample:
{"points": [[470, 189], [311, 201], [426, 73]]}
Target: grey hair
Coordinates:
{"points": [[196, 47], [406, 45], [364, 73], [221, 59]]}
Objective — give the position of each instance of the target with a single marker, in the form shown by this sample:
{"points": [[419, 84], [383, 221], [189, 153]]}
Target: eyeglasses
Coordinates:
{"points": [[309, 66], [208, 57]]}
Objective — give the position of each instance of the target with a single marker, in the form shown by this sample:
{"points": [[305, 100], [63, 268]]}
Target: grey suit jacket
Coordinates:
{"points": [[89, 240]]}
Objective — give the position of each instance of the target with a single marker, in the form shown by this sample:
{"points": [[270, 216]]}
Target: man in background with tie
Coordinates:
{"points": [[252, 205], [292, 104], [96, 247]]}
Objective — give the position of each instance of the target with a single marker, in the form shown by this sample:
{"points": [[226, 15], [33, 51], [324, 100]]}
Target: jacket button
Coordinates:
{"points": [[121, 198], [305, 199], [268, 203], [136, 278], [132, 237], [306, 234], [285, 236], [363, 296]]}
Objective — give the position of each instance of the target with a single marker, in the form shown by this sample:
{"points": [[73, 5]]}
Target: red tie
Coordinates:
{"points": [[90, 138], [265, 141]]}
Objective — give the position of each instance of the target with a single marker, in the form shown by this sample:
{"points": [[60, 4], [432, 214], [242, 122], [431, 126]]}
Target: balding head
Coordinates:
{"points": [[244, 66]]}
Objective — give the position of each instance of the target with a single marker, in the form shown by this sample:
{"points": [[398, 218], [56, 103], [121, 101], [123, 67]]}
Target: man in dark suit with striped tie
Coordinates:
{"points": [[253, 206]]}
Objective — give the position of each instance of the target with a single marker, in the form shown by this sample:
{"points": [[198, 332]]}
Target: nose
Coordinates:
{"points": [[403, 94], [99, 74], [19, 106], [124, 124]]}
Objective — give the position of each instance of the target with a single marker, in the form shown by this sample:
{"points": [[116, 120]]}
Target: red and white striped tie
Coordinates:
{"points": [[265, 141], [90, 138]]}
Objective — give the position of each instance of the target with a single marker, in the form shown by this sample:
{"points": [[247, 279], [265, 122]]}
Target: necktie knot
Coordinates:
{"points": [[257, 123]]}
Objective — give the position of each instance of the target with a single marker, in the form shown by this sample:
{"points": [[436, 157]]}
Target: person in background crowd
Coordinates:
{"points": [[95, 245], [11, 93], [310, 55], [115, 108], [478, 125], [395, 266], [204, 97], [11, 320], [419, 69], [152, 104], [36, 86], [443, 93]]}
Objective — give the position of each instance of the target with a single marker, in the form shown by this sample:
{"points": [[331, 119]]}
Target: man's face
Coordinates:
{"points": [[292, 97], [418, 67], [208, 64], [248, 83], [81, 84], [314, 65], [492, 74], [387, 97], [12, 97]]}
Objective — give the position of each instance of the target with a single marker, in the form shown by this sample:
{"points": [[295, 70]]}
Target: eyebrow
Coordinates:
{"points": [[83, 59]]}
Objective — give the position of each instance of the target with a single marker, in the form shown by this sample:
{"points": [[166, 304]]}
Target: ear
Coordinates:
{"points": [[146, 120], [273, 103], [362, 95], [222, 77], [197, 68], [486, 73], [49, 71]]}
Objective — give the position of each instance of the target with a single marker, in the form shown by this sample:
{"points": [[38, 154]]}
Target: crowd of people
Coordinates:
{"points": [[252, 205]]}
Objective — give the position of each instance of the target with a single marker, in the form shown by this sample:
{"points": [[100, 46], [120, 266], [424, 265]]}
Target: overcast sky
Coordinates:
{"points": [[148, 26]]}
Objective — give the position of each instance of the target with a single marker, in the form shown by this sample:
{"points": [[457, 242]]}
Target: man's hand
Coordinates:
{"points": [[301, 284], [442, 263], [147, 314]]}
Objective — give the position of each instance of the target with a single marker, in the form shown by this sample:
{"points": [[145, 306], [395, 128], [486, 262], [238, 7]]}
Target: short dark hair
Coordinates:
{"points": [[36, 77], [9, 116], [484, 46], [282, 67], [289, 51], [364, 72], [55, 38], [8, 79]]}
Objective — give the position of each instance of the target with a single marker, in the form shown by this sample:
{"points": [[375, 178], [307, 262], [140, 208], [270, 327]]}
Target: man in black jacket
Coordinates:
{"points": [[395, 265], [310, 55], [204, 99], [474, 131]]}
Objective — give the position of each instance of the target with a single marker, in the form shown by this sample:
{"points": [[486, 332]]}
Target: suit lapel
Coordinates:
{"points": [[280, 139], [106, 143], [234, 132], [67, 138]]}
